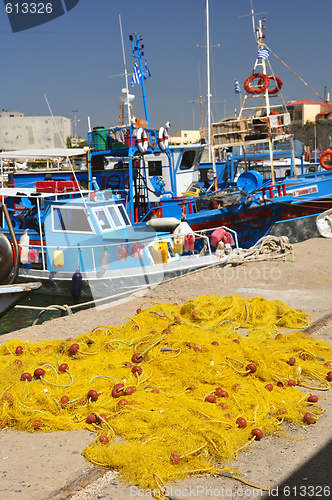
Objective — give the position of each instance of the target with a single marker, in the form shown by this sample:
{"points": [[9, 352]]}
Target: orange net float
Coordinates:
{"points": [[263, 83], [327, 155]]}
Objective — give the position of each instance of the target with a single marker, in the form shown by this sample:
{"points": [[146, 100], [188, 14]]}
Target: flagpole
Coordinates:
{"points": [[136, 48]]}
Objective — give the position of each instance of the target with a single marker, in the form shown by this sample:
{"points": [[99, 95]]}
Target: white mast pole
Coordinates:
{"points": [[208, 77], [126, 73]]}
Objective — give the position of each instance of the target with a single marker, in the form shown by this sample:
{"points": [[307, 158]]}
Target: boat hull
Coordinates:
{"points": [[11, 295], [250, 223], [116, 283], [298, 220]]}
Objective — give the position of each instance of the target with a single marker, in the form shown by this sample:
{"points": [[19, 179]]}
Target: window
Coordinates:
{"points": [[72, 220], [155, 168], [188, 159], [115, 217], [124, 215], [102, 219]]}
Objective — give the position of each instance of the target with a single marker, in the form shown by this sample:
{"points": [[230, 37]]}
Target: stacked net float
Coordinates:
{"points": [[174, 390]]}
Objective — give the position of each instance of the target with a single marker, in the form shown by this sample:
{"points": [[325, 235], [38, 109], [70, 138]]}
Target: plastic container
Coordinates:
{"points": [[221, 234], [58, 258], [160, 252], [178, 245], [104, 260], [99, 138], [33, 256], [189, 243], [24, 246], [121, 252], [250, 181], [137, 251]]}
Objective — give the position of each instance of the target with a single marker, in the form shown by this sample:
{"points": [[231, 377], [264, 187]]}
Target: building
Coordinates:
{"points": [[185, 137], [32, 132], [305, 111]]}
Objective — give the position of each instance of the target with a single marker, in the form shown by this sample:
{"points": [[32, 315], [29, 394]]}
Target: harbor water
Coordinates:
{"points": [[24, 314]]}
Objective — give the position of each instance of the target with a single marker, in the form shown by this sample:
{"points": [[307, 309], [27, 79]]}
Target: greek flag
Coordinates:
{"points": [[146, 72], [136, 75], [237, 87], [263, 54]]}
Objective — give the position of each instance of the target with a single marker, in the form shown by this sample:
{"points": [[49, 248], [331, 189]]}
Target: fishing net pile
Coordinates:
{"points": [[174, 390]]}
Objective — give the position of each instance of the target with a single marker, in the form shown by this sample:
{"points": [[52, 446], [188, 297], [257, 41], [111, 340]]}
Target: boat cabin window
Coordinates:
{"points": [[102, 219], [115, 216], [111, 217], [124, 215], [71, 220], [155, 168], [188, 159]]}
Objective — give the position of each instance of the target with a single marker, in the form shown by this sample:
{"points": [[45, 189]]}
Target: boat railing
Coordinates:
{"points": [[274, 190], [261, 148], [88, 257], [122, 140]]}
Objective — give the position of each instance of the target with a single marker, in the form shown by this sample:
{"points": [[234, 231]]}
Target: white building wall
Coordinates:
{"points": [[33, 132]]}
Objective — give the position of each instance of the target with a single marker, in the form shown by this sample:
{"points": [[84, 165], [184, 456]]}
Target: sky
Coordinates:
{"points": [[76, 59]]}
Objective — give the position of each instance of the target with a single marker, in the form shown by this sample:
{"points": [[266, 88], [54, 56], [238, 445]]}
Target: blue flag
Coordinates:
{"points": [[263, 54], [146, 72], [237, 87]]}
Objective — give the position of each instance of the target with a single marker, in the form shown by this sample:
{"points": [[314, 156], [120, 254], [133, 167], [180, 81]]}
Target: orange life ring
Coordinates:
{"points": [[263, 83], [328, 155], [278, 83]]}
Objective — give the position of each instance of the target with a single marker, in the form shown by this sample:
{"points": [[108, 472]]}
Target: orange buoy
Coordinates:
{"points": [[328, 156], [263, 83]]}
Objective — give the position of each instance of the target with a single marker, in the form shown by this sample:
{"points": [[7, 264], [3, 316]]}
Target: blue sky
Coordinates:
{"points": [[74, 58]]}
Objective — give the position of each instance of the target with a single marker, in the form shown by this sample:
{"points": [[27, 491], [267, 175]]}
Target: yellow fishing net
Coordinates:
{"points": [[173, 391]]}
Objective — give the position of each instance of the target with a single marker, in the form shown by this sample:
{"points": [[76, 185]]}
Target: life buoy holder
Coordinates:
{"points": [[163, 138], [142, 140], [280, 130], [328, 155], [263, 83]]}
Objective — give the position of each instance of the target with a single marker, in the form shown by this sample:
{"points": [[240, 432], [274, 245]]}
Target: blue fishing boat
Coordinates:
{"points": [[87, 246], [259, 139]]}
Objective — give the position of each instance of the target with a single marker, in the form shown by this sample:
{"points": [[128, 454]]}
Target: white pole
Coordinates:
{"points": [[208, 77], [126, 74]]}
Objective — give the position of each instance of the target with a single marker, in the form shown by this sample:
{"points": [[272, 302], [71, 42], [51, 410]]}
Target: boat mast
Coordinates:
{"points": [[258, 32], [208, 78], [138, 54], [259, 37], [126, 73]]}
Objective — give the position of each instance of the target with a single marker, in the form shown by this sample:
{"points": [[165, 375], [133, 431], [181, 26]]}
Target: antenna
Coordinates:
{"points": [[126, 74], [252, 14]]}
